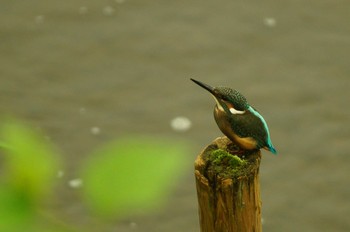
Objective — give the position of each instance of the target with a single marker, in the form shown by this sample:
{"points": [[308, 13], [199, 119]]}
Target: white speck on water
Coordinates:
{"points": [[262, 221], [95, 130], [48, 138], [180, 124], [60, 174], [83, 10], [39, 19], [108, 10], [133, 225], [270, 22], [82, 110], [75, 183], [119, 1]]}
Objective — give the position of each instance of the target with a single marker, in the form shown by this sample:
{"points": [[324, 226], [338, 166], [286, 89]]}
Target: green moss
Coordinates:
{"points": [[220, 156], [226, 164]]}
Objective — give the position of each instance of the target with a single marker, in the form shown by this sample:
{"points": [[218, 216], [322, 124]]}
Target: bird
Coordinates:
{"points": [[238, 120]]}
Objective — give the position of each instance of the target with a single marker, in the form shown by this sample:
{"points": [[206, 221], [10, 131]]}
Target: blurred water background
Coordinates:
{"points": [[88, 71]]}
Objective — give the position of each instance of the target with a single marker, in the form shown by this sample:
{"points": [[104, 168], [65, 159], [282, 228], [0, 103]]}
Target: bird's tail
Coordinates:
{"points": [[271, 149]]}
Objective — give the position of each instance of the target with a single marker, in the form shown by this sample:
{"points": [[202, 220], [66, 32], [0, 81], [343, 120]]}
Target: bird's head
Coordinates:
{"points": [[227, 99]]}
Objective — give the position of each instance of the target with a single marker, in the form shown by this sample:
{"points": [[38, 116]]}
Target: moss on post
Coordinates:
{"points": [[228, 189]]}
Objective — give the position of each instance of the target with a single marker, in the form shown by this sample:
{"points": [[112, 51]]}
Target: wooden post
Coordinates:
{"points": [[228, 189]]}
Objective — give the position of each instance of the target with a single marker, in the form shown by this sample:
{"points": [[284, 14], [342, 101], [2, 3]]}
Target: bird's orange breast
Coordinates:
{"points": [[247, 143]]}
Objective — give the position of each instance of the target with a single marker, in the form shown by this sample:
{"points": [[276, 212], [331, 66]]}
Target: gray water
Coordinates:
{"points": [[124, 67]]}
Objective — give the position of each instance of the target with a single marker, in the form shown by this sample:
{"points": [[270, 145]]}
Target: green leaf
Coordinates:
{"points": [[30, 162], [15, 211], [29, 169], [130, 175]]}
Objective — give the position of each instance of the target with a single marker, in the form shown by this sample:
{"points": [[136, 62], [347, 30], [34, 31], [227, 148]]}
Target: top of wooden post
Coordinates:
{"points": [[219, 159]]}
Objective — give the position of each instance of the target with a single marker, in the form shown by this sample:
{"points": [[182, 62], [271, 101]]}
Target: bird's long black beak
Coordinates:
{"points": [[205, 86]]}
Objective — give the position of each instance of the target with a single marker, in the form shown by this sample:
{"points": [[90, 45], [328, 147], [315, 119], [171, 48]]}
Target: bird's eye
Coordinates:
{"points": [[229, 105]]}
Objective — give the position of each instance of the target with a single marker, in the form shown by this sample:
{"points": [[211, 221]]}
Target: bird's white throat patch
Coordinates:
{"points": [[234, 111]]}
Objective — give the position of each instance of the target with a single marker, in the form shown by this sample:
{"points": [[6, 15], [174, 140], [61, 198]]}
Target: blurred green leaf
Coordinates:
{"points": [[30, 162], [29, 169], [3, 145], [15, 211], [132, 175]]}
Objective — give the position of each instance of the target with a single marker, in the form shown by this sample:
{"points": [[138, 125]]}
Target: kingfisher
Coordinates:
{"points": [[239, 121]]}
